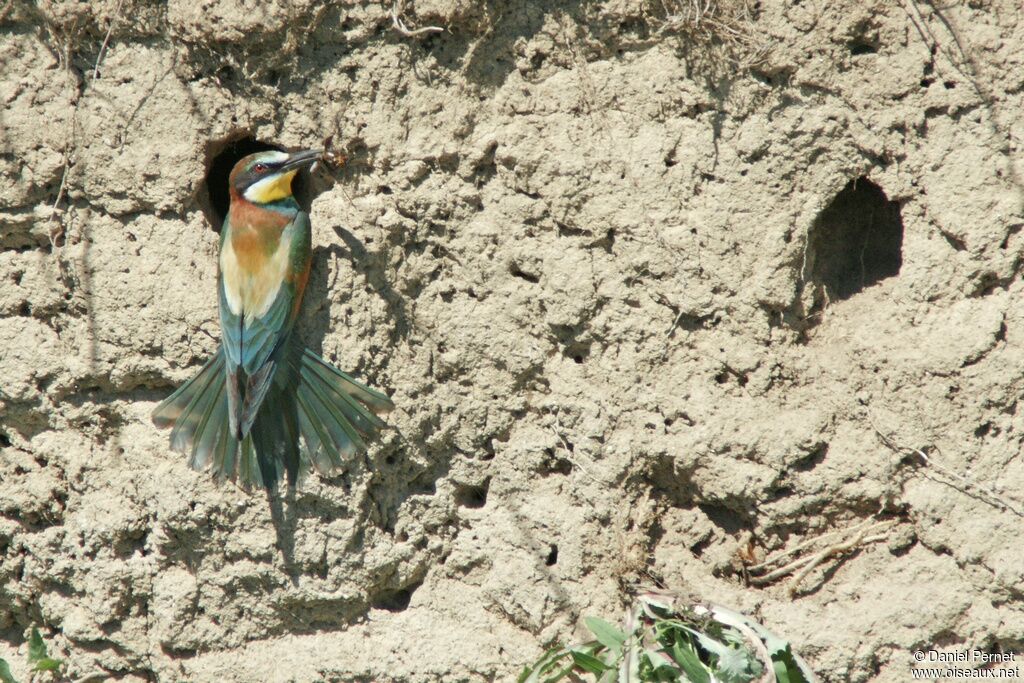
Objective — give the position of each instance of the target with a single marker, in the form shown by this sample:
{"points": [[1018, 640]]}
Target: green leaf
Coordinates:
{"points": [[655, 606], [781, 672], [36, 647], [606, 634], [48, 664], [541, 670], [773, 643], [685, 655], [588, 662], [38, 658], [710, 645], [788, 669], [736, 666], [5, 673], [656, 658], [779, 649]]}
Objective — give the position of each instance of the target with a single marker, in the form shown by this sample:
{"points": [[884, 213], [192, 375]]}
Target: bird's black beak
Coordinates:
{"points": [[301, 159]]}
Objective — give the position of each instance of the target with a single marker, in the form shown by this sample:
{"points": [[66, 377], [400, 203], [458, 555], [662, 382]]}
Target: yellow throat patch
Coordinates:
{"points": [[272, 189]]}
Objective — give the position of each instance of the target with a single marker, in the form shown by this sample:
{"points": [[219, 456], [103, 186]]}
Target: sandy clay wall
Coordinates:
{"points": [[646, 284]]}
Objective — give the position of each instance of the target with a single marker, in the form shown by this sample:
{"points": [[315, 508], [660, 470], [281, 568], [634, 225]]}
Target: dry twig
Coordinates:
{"points": [[106, 40], [569, 453], [858, 540], [981, 492], [850, 539], [397, 8]]}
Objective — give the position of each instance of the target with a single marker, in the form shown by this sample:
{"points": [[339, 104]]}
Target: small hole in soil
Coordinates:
{"points": [[5, 440], [862, 47], [471, 496], [518, 272], [579, 352], [214, 197], [397, 600], [856, 242], [553, 464], [552, 557]]}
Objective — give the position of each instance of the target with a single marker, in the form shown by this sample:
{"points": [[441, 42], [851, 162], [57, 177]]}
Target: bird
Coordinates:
{"points": [[245, 412]]}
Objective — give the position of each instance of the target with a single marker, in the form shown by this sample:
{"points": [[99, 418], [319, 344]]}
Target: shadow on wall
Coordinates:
{"points": [[856, 242]]}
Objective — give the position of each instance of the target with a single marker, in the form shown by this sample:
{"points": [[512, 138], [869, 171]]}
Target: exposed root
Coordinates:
{"points": [[106, 40], [958, 481], [569, 454], [840, 542], [397, 9], [729, 23]]}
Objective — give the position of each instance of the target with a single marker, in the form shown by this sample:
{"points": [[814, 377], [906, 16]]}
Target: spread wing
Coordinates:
{"points": [[253, 337]]}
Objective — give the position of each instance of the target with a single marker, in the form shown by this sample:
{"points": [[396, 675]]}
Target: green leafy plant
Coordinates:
{"points": [[39, 659], [665, 642]]}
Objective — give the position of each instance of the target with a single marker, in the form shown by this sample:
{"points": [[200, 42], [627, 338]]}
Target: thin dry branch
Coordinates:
{"points": [[857, 541], [809, 543], [397, 9], [979, 491], [850, 539], [106, 40], [709, 20], [557, 430]]}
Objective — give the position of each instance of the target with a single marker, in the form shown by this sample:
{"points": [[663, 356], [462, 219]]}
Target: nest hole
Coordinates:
{"points": [[396, 600], [856, 242], [470, 496], [214, 197]]}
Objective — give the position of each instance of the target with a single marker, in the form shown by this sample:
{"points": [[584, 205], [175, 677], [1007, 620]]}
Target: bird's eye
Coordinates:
{"points": [[260, 167]]}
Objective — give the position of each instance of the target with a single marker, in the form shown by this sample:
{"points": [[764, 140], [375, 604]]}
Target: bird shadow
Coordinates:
{"points": [[322, 291], [283, 517]]}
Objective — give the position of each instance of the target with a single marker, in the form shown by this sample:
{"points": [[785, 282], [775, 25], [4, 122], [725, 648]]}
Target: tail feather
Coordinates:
{"points": [[210, 433], [333, 415], [315, 376], [187, 409], [256, 388], [172, 407], [331, 429], [375, 399], [249, 471], [308, 402], [318, 442], [188, 430], [223, 454]]}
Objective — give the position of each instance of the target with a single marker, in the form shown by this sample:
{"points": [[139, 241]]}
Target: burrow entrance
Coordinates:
{"points": [[214, 198], [856, 242]]}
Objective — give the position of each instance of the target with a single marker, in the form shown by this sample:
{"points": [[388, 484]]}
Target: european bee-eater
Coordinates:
{"points": [[244, 413]]}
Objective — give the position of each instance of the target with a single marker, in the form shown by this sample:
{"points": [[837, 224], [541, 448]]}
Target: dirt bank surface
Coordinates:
{"points": [[645, 285]]}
